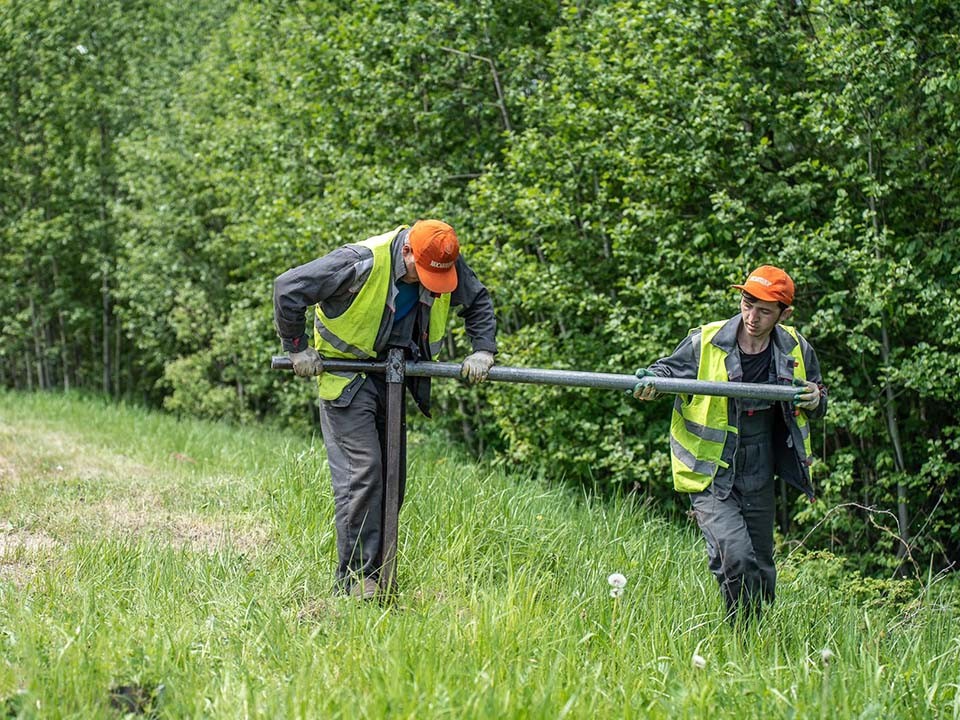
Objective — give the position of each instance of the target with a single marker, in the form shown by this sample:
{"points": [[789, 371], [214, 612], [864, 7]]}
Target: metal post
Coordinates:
{"points": [[391, 502]]}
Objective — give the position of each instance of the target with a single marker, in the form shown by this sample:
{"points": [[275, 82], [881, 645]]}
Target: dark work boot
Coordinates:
{"points": [[365, 589]]}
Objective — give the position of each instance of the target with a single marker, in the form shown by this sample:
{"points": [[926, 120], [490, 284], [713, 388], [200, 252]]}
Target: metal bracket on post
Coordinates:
{"points": [[391, 500]]}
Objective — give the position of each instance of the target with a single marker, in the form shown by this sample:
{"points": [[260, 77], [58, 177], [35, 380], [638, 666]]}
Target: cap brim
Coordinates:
{"points": [[759, 292], [438, 282]]}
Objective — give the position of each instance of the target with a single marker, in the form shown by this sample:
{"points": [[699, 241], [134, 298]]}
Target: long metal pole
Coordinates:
{"points": [[567, 378]]}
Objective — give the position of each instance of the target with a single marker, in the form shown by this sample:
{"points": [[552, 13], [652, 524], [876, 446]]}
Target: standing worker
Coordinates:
{"points": [[726, 452], [389, 291]]}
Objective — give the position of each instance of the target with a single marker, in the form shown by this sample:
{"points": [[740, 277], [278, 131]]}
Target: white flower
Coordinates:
{"points": [[616, 592], [81, 49], [617, 581], [826, 655], [699, 661]]}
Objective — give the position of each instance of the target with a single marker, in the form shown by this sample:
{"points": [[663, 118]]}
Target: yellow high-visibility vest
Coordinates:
{"points": [[699, 427]]}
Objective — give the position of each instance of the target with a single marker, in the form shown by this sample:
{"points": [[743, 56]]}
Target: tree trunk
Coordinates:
{"points": [[105, 194], [116, 359], [61, 329], [893, 427], [890, 409], [29, 374], [37, 347], [64, 354], [49, 366], [105, 319]]}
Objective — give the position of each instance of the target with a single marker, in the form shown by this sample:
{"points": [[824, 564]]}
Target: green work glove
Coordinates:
{"points": [[307, 363], [476, 366], [807, 396], [644, 390]]}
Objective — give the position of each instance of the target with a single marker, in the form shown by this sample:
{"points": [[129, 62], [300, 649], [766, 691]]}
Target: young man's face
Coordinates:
{"points": [[761, 316]]}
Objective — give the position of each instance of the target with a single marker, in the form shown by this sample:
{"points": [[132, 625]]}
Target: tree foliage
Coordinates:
{"points": [[611, 167]]}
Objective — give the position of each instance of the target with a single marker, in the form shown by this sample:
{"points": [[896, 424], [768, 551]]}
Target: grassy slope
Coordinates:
{"points": [[139, 550]]}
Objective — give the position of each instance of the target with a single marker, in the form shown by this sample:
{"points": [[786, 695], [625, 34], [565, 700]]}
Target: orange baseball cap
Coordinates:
{"points": [[769, 283], [435, 251]]}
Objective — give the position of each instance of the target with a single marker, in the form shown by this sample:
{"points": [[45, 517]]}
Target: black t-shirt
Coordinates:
{"points": [[756, 368]]}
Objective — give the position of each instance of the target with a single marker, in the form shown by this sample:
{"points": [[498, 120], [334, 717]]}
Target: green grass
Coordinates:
{"points": [[195, 561]]}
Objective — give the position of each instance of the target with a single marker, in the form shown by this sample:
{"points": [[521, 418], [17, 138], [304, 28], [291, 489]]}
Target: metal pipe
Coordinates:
{"points": [[568, 378]]}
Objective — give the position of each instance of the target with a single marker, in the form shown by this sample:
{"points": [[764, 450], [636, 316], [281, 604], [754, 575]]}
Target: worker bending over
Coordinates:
{"points": [[389, 291]]}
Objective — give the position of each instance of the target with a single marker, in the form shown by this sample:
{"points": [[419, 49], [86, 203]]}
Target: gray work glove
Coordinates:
{"points": [[643, 390], [807, 396], [307, 363], [475, 367]]}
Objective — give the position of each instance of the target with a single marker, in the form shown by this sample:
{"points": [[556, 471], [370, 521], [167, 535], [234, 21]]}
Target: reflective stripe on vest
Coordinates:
{"points": [[354, 333], [699, 428]]}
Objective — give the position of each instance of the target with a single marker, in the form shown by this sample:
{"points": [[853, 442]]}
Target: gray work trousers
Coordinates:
{"points": [[738, 529], [356, 442]]}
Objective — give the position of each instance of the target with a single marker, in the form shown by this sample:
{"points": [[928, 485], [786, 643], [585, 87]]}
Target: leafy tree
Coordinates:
{"points": [[610, 167], [881, 107], [77, 80]]}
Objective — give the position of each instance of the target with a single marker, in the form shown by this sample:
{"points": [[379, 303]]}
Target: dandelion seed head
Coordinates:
{"points": [[826, 655], [616, 592], [699, 661], [617, 580]]}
